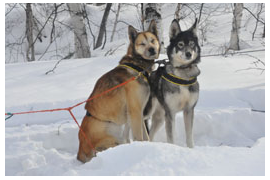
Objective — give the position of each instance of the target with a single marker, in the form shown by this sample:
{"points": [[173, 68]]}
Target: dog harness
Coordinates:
{"points": [[177, 80], [136, 68]]}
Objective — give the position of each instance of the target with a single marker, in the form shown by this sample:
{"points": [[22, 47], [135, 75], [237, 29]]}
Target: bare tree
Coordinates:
{"points": [[263, 35], [237, 16], [153, 11], [82, 49], [116, 21], [29, 33], [177, 12], [142, 16], [258, 19], [102, 28], [200, 14]]}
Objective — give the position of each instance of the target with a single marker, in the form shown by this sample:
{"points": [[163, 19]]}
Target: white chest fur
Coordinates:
{"points": [[180, 100]]}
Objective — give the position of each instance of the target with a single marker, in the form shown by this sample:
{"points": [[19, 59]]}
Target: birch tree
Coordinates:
{"points": [[82, 49], [236, 23], [153, 11], [29, 33], [116, 21]]}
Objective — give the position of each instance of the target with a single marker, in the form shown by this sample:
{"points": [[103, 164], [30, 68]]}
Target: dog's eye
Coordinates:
{"points": [[152, 41], [191, 44], [181, 45], [142, 44]]}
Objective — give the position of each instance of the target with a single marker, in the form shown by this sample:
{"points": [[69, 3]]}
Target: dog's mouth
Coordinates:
{"points": [[188, 56], [150, 56], [183, 58]]}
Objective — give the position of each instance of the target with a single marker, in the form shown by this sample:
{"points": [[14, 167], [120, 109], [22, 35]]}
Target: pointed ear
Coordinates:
{"points": [[132, 33], [153, 28], [174, 29], [194, 28]]}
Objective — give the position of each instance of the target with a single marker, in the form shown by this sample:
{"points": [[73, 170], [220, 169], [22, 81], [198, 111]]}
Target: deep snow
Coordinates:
{"points": [[228, 134]]}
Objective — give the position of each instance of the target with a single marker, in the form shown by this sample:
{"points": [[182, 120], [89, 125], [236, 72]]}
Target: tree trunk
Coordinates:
{"points": [[29, 33], [263, 35], [103, 25], [237, 16], [153, 11], [142, 16], [116, 21], [177, 12], [82, 49]]}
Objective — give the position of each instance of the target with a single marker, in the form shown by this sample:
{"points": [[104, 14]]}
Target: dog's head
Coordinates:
{"points": [[183, 48], [144, 44]]}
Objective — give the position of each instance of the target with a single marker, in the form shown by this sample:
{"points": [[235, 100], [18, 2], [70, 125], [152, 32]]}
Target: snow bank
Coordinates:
{"points": [[139, 158], [225, 127], [228, 134], [224, 141], [166, 159], [215, 127]]}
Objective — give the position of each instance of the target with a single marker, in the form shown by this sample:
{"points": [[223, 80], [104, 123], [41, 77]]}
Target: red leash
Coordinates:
{"points": [[70, 108]]}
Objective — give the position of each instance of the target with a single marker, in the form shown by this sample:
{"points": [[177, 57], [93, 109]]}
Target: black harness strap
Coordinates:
{"points": [[136, 68], [177, 80]]}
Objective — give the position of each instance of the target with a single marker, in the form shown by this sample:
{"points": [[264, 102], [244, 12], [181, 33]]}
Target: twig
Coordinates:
{"points": [[58, 132], [58, 62], [11, 9], [110, 52], [262, 69], [222, 54], [255, 63], [256, 110], [254, 15]]}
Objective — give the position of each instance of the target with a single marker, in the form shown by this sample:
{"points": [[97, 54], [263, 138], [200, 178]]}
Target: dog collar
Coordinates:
{"points": [[177, 80], [136, 68]]}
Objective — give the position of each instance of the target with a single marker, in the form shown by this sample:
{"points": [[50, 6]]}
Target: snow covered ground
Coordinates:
{"points": [[229, 134]]}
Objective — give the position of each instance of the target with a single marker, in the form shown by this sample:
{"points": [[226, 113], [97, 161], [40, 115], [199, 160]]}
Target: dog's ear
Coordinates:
{"points": [[174, 29], [153, 27], [132, 33], [194, 28]]}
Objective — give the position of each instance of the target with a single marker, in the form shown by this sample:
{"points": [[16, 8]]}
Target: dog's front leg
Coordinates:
{"points": [[170, 126], [136, 126], [188, 118], [135, 118]]}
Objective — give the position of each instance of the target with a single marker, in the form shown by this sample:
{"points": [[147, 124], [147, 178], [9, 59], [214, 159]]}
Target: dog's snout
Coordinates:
{"points": [[151, 51], [188, 55]]}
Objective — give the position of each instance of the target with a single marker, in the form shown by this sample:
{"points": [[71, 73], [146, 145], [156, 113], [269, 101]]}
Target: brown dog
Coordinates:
{"points": [[106, 115]]}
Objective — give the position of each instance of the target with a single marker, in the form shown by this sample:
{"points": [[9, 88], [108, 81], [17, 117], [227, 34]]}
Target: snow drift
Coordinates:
{"points": [[228, 130]]}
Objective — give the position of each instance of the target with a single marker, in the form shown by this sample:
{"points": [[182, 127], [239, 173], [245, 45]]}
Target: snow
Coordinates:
{"points": [[225, 127], [229, 135]]}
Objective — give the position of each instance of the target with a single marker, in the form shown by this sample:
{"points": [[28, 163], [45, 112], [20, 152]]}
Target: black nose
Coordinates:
{"points": [[188, 55], [152, 51]]}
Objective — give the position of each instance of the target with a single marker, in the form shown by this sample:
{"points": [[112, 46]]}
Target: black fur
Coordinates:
{"points": [[186, 37], [160, 87]]}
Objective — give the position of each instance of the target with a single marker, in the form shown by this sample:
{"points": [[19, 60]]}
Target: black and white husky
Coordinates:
{"points": [[174, 87]]}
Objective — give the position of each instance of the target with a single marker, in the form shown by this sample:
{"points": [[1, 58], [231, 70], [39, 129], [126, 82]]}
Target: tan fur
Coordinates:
{"points": [[149, 40], [122, 106]]}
